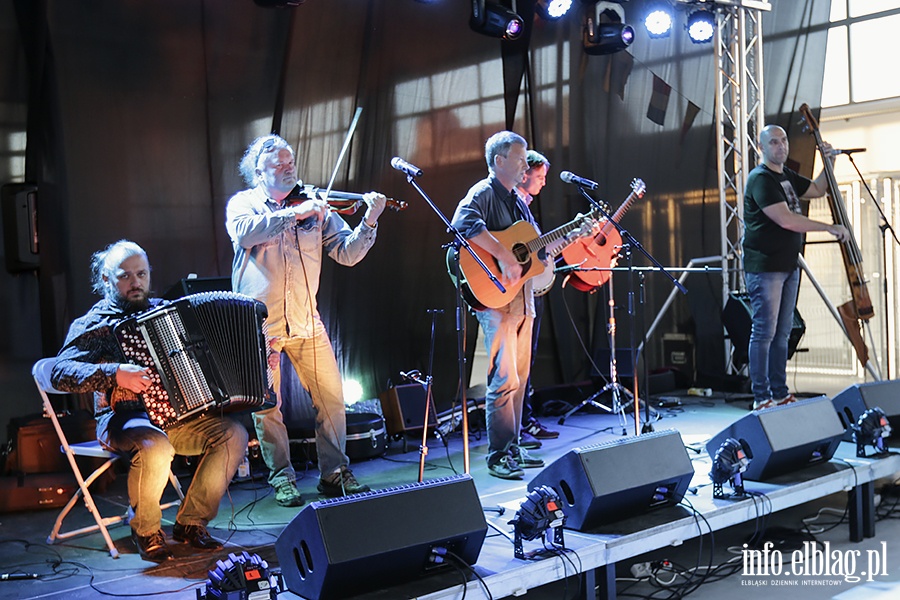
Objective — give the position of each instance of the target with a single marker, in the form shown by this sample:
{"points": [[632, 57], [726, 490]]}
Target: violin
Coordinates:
{"points": [[344, 203]]}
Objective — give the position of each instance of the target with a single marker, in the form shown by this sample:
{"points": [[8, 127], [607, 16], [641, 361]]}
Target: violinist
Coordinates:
{"points": [[277, 259], [774, 225]]}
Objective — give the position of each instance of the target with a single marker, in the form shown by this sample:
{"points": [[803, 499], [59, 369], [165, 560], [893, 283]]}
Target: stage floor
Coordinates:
{"points": [[250, 520]]}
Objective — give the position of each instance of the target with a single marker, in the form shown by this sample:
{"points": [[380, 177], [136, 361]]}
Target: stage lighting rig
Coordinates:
{"points": [[552, 10], [870, 430], [701, 25], [605, 30], [732, 459], [658, 20], [495, 20], [539, 512]]}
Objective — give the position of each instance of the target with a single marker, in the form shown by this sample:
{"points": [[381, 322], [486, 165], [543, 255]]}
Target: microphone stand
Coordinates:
{"points": [[884, 227], [632, 243], [459, 242]]}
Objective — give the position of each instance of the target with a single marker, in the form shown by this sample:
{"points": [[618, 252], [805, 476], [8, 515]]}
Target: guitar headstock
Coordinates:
{"points": [[638, 187]]}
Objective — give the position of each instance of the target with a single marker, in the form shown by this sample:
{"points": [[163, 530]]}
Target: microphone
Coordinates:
{"points": [[570, 177], [849, 151], [401, 165]]}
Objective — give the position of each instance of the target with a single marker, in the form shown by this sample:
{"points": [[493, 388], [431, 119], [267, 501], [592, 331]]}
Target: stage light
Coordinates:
{"points": [[701, 25], [353, 391], [494, 20], [541, 510], [870, 430], [732, 459], [604, 32], [552, 10], [658, 22]]}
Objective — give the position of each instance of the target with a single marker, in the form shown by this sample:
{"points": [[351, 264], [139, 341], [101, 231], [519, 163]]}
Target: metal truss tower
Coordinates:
{"points": [[739, 117]]}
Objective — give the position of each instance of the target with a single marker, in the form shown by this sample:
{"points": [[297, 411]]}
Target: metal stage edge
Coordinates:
{"points": [[598, 552]]}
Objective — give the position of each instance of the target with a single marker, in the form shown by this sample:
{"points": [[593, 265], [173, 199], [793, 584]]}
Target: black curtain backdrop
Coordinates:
{"points": [[138, 112]]}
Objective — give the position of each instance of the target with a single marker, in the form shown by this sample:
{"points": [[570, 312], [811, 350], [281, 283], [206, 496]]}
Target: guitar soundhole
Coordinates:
{"points": [[520, 251]]}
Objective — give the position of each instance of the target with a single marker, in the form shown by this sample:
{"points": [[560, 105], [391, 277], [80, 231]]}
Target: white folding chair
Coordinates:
{"points": [[93, 449]]}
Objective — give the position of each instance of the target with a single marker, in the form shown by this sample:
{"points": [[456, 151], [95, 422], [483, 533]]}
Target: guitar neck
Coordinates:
{"points": [[557, 234]]}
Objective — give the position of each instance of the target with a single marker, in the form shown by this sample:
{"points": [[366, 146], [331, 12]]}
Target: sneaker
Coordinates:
{"points": [[526, 440], [506, 468], [763, 404], [538, 431], [523, 459], [288, 495], [152, 547], [196, 535], [342, 483], [786, 400], [771, 402]]}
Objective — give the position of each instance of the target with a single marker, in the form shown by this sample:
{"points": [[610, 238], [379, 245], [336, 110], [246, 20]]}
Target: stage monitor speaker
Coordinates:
{"points": [[20, 233], [338, 548], [195, 285], [737, 318], [611, 481], [403, 407], [855, 400], [784, 438]]}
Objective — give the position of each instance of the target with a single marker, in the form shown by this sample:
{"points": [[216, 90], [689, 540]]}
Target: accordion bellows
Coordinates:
{"points": [[205, 352]]}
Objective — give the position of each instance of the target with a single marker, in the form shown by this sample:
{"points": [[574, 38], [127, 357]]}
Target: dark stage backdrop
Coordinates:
{"points": [[138, 112]]}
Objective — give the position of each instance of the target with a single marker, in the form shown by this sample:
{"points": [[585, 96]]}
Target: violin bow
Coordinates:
{"points": [[340, 158]]}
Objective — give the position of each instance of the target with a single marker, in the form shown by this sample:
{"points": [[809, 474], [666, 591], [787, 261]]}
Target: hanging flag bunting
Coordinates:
{"points": [[659, 101], [690, 113]]}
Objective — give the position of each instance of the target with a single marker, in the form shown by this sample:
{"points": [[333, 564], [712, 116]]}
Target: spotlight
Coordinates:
{"points": [[871, 429], [604, 32], [732, 459], [701, 25], [552, 10], [492, 19], [353, 391], [538, 512], [658, 22]]}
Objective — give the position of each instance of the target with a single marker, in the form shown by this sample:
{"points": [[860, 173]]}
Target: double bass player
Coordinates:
{"points": [[773, 235]]}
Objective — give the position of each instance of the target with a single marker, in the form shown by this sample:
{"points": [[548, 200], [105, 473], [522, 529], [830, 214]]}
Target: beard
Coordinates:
{"points": [[133, 302]]}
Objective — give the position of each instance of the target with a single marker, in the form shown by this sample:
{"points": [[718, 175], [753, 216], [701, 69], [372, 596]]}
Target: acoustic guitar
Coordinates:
{"points": [[598, 251], [529, 248]]}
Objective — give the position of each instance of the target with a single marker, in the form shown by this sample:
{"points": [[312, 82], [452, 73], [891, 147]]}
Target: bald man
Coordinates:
{"points": [[773, 236]]}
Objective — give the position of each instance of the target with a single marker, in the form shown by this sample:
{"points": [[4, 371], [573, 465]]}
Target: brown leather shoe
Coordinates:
{"points": [[196, 535], [152, 547]]}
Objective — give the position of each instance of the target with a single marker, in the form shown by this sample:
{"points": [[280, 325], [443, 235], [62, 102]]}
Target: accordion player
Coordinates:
{"points": [[205, 351]]}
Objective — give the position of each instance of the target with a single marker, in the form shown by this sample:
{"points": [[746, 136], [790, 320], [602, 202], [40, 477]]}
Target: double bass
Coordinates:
{"points": [[858, 310]]}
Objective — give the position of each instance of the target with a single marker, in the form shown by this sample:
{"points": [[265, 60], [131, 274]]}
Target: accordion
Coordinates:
{"points": [[204, 351]]}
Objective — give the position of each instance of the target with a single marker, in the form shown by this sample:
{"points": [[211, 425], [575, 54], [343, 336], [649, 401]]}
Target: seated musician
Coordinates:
{"points": [[91, 361]]}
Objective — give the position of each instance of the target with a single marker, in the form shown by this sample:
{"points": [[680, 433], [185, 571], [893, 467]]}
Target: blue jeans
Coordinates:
{"points": [[773, 297], [313, 359], [219, 442], [507, 339]]}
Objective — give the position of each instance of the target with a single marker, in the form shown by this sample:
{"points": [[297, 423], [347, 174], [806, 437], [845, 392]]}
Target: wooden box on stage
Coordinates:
{"points": [[366, 438], [31, 492]]}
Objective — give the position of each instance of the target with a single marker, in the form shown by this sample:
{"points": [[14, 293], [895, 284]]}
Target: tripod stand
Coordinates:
{"points": [[617, 389]]}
